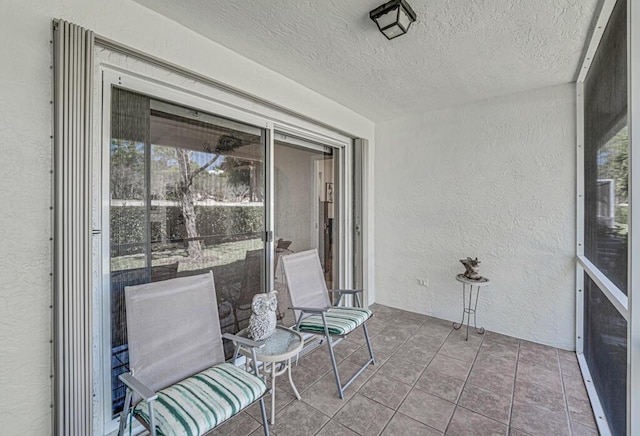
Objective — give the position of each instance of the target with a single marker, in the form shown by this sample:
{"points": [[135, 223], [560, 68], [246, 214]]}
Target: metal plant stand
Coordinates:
{"points": [[467, 309]]}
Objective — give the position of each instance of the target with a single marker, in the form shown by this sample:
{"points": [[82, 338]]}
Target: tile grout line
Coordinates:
{"points": [[466, 380], [396, 411], [489, 390], [564, 395], [513, 391], [357, 390], [466, 384]]}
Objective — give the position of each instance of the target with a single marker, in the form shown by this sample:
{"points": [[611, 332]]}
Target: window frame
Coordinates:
{"points": [[627, 306]]}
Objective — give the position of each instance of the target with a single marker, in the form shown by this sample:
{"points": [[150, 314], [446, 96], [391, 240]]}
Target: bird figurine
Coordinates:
{"points": [[472, 267], [262, 322]]}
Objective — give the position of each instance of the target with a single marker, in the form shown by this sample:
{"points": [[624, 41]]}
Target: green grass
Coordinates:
{"points": [[213, 255]]}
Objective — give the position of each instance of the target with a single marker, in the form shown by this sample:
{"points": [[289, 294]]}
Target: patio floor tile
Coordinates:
{"points": [[385, 391], [364, 416], [429, 381], [468, 423], [441, 385], [428, 409], [486, 403], [403, 425]]}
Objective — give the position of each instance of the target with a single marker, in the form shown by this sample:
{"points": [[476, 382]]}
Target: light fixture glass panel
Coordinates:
{"points": [[388, 18], [404, 20], [393, 31]]}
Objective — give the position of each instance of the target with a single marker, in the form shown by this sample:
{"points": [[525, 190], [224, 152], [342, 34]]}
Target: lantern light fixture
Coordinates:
{"points": [[393, 18]]}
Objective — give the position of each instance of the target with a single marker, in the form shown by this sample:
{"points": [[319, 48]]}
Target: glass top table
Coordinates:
{"points": [[281, 345], [276, 355]]}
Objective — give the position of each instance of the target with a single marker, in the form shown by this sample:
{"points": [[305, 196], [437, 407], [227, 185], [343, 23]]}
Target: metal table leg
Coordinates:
{"points": [[295, 390], [273, 393]]}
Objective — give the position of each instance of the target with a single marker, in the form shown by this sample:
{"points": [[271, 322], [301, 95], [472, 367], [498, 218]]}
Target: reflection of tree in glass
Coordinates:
{"points": [[185, 187], [243, 179], [185, 176], [613, 163], [127, 170]]}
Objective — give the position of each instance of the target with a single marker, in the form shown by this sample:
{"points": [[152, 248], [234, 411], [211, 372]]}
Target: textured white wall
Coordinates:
{"points": [[25, 129], [496, 180]]}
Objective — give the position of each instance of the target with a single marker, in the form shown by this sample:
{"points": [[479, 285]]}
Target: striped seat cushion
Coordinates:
{"points": [[203, 401], [340, 320]]}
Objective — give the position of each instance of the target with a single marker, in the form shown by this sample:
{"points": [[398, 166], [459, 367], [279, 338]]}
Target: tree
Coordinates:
{"points": [[613, 162], [127, 170], [185, 186], [243, 177]]}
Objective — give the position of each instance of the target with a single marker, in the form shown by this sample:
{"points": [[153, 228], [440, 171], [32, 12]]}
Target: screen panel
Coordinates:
{"points": [[606, 153], [605, 349]]}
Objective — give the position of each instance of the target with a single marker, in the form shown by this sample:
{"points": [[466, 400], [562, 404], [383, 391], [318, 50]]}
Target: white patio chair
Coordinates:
{"points": [[314, 312], [179, 383]]}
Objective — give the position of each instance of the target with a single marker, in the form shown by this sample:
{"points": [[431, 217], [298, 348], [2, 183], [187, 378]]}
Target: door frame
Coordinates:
{"points": [[343, 216], [113, 75]]}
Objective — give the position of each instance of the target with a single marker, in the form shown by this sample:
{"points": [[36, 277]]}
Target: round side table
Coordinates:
{"points": [[466, 309], [278, 350]]}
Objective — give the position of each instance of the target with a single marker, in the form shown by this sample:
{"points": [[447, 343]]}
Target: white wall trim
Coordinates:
{"points": [[123, 49], [608, 288], [579, 216], [596, 37]]}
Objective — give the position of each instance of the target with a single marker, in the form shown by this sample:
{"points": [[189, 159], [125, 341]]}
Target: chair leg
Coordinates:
{"points": [[333, 357], [366, 336], [335, 367], [265, 422], [152, 419], [125, 413]]}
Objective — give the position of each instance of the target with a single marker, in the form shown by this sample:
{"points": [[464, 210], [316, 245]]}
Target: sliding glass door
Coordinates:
{"points": [[190, 185], [305, 212], [186, 196]]}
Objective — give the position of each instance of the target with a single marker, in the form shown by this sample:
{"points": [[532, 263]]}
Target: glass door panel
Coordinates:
{"points": [[304, 209], [186, 197]]}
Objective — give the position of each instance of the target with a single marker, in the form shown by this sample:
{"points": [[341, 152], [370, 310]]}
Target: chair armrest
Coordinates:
{"points": [[243, 341], [138, 387], [347, 291], [311, 309]]}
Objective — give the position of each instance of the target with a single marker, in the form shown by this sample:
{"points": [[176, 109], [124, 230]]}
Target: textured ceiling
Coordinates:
{"points": [[457, 52]]}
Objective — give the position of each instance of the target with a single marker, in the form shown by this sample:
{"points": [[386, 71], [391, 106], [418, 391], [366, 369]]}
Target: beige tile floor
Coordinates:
{"points": [[429, 381]]}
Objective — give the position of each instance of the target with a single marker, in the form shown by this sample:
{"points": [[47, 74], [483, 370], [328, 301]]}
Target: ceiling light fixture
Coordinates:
{"points": [[393, 18]]}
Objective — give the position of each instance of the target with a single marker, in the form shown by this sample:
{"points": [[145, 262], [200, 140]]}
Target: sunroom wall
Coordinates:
{"points": [[25, 129], [494, 179]]}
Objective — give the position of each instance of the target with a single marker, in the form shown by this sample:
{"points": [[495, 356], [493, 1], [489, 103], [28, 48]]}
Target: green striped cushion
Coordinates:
{"points": [[203, 401], [340, 320]]}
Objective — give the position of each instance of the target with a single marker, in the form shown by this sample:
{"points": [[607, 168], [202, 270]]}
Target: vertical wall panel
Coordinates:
{"points": [[633, 353], [73, 69]]}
